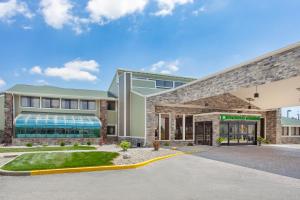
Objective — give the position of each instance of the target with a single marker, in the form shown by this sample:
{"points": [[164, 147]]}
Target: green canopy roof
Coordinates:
{"points": [[289, 121]]}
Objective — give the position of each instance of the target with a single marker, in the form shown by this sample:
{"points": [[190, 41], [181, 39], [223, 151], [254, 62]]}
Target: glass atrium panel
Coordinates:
{"points": [[57, 126]]}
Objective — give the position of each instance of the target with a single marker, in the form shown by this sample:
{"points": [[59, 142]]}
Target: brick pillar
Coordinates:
{"points": [[103, 118], [273, 126], [8, 124]]}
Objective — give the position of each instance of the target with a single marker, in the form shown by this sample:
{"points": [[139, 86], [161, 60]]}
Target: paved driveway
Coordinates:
{"points": [[186, 177], [275, 159]]}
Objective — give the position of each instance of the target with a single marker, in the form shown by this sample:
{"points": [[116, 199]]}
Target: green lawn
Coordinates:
{"points": [[56, 160], [58, 148]]}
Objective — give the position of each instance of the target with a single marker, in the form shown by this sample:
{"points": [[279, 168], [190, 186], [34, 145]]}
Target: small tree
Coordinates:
{"points": [[125, 145], [219, 141]]}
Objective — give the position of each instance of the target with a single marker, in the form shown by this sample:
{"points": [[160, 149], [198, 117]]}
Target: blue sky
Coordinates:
{"points": [[80, 44]]}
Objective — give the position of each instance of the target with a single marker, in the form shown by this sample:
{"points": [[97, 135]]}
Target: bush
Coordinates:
{"points": [[190, 144], [62, 144], [156, 145], [125, 145], [167, 144], [45, 145], [29, 145], [89, 143], [219, 140], [75, 145]]}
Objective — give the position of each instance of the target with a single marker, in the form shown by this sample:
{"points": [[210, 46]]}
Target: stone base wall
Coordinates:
{"points": [[134, 141], [290, 140], [273, 126], [103, 119], [112, 140], [53, 141], [8, 125]]}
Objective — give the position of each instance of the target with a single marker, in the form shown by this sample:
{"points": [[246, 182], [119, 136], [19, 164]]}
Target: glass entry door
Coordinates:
{"points": [[203, 133]]}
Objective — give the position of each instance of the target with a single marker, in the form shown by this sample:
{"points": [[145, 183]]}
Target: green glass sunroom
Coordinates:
{"points": [[34, 125]]}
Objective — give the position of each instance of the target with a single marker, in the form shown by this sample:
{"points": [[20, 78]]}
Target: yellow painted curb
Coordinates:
{"points": [[100, 168]]}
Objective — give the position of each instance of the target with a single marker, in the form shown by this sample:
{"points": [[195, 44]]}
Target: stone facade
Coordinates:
{"points": [[273, 126], [103, 119], [283, 64], [290, 140], [9, 119], [135, 141]]}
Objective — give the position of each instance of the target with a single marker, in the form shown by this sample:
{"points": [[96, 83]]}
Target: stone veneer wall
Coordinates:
{"points": [[290, 140], [103, 119], [133, 140], [281, 65], [273, 126], [9, 119], [215, 118]]}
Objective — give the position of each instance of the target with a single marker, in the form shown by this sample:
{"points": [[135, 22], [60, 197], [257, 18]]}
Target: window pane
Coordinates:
{"points": [[65, 103], [165, 127], [55, 103], [35, 102], [156, 126], [46, 103], [177, 84], [179, 128], [84, 105], [92, 105], [111, 130], [164, 84], [74, 104], [189, 127], [111, 105], [25, 101]]}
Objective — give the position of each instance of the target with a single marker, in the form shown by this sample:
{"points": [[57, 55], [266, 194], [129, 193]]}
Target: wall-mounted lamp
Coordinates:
{"points": [[256, 94]]}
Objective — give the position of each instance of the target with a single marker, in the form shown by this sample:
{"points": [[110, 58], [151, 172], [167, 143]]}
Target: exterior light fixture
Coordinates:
{"points": [[256, 94], [298, 89], [206, 104], [249, 100]]}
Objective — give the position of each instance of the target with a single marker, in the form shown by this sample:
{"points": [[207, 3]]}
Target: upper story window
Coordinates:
{"points": [[87, 105], [50, 103], [111, 105], [69, 104], [177, 83], [33, 102], [164, 84]]}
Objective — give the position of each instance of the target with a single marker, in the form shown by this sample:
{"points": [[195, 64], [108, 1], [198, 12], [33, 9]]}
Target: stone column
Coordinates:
{"points": [[103, 118], [273, 126], [9, 119]]}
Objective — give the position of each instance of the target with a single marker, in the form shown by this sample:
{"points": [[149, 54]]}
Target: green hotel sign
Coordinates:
{"points": [[239, 117]]}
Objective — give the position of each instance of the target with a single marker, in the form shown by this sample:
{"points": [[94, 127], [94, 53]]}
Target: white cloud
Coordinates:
{"points": [[165, 67], [11, 8], [56, 13], [166, 7], [36, 70], [2, 82], [42, 82], [75, 70], [27, 27], [102, 11], [199, 10]]}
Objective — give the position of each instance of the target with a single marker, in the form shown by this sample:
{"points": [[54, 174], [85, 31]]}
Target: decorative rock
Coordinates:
{"points": [[126, 156]]}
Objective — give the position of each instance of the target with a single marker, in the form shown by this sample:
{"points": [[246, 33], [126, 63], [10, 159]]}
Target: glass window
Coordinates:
{"points": [[156, 127], [189, 127], [177, 83], [30, 102], [111, 130], [165, 127], [50, 103], [164, 84], [285, 131], [111, 105], [87, 105], [69, 103], [179, 128]]}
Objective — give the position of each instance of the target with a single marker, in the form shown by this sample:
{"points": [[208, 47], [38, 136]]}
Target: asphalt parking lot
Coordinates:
{"points": [[188, 177]]}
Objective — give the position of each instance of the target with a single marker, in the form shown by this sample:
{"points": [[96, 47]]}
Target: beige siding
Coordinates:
{"points": [[137, 123], [112, 117], [1, 112], [113, 89]]}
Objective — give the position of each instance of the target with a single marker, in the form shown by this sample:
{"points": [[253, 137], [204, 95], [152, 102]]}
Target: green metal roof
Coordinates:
{"points": [[147, 91], [51, 91], [157, 75], [289, 121]]}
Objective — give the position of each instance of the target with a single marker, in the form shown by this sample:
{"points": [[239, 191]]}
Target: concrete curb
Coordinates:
{"points": [[85, 169]]}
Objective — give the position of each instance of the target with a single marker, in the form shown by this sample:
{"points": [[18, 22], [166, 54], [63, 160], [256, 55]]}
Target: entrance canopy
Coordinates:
{"points": [[57, 121]]}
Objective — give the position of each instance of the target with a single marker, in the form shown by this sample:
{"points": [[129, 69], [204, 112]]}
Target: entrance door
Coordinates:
{"points": [[203, 133]]}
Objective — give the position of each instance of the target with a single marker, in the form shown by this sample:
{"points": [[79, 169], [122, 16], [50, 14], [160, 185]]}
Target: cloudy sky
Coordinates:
{"points": [[80, 44]]}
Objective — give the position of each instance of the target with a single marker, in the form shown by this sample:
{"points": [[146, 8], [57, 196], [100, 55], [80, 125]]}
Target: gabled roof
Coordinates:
{"points": [[52, 91], [289, 121]]}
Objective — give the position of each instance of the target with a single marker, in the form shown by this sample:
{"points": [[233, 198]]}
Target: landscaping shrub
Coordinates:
{"points": [[219, 140], [29, 145], [167, 144], [75, 145], [89, 143], [125, 145], [156, 145], [190, 144], [62, 144]]}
